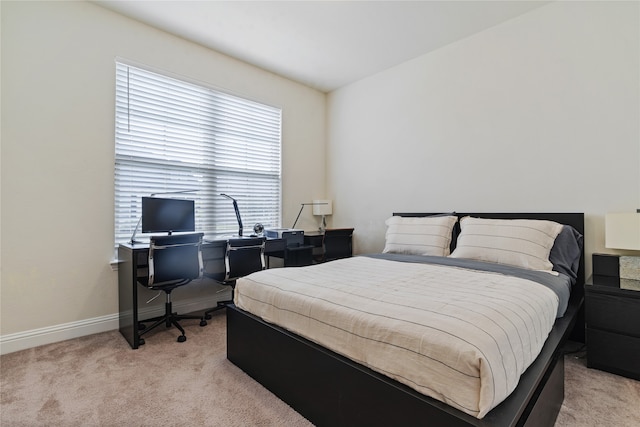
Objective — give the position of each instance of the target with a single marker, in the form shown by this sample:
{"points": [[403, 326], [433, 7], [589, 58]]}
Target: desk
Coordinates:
{"points": [[340, 246], [133, 264], [314, 239], [296, 252]]}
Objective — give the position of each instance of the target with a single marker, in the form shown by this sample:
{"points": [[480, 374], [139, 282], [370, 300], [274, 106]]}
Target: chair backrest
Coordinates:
{"points": [[243, 256], [337, 243], [175, 260]]}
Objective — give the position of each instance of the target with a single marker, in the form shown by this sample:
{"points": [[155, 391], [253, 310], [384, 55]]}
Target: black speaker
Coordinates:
{"points": [[606, 269], [606, 265]]}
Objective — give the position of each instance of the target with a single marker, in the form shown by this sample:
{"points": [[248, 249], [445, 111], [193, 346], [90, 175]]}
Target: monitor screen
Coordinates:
{"points": [[167, 215]]}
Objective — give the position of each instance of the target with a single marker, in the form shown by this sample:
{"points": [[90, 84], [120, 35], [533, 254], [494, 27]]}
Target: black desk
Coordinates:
{"points": [[343, 245], [133, 263], [314, 239]]}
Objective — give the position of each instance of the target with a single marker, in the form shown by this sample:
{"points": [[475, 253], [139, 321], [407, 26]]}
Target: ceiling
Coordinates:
{"points": [[322, 44]]}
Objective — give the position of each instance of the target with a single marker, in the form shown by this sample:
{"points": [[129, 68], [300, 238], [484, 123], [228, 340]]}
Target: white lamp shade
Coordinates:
{"points": [[622, 231], [322, 207]]}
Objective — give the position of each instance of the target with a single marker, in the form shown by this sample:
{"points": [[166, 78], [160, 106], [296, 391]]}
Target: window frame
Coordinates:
{"points": [[175, 137]]}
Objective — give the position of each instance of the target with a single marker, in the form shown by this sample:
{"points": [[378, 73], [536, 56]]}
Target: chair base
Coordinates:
{"points": [[169, 318], [219, 306]]}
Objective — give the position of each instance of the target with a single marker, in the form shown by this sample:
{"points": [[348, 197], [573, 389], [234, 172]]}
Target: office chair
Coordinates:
{"points": [[242, 257], [337, 243], [174, 261]]}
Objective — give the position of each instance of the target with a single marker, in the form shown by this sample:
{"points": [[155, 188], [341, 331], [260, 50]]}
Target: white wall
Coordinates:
{"points": [[58, 80], [540, 113]]}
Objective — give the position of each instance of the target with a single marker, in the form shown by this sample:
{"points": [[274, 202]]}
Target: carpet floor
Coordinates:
{"points": [[99, 381]]}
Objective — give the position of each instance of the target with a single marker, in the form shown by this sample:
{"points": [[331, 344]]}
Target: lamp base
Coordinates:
{"points": [[323, 224]]}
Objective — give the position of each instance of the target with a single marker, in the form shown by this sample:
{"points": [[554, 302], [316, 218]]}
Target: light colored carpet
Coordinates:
{"points": [[99, 381], [594, 398]]}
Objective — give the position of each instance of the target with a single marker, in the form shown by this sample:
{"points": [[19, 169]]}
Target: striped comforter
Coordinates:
{"points": [[461, 336]]}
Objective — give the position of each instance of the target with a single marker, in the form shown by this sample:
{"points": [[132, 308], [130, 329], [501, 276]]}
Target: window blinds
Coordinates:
{"points": [[194, 142]]}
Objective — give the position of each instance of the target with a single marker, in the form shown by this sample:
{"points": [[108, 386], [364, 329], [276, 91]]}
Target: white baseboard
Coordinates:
{"points": [[51, 334]]}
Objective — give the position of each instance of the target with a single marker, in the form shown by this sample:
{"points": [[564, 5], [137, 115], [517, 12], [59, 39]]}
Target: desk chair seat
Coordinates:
{"points": [[242, 257], [174, 261]]}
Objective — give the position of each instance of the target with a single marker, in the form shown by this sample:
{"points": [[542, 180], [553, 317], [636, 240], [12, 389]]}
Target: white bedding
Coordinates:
{"points": [[461, 336]]}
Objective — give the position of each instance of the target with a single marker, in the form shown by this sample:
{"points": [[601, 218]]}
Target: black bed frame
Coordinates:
{"points": [[331, 390]]}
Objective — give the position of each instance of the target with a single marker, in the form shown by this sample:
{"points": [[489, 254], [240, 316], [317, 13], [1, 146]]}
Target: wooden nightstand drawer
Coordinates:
{"points": [[615, 353], [613, 313]]}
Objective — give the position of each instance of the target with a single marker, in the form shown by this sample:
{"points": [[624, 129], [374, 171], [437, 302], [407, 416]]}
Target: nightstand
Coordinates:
{"points": [[612, 312]]}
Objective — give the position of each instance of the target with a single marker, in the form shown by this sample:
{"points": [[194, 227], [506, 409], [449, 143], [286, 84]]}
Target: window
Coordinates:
{"points": [[194, 142]]}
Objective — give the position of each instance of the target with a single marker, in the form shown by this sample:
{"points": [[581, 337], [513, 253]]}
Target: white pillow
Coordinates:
{"points": [[524, 243], [420, 235]]}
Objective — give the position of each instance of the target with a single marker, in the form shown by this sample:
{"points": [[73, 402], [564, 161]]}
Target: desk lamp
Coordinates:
{"points": [[314, 203], [322, 208], [235, 208], [622, 231]]}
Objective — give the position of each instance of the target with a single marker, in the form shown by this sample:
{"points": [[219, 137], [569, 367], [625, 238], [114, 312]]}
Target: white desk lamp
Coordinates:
{"points": [[622, 231], [322, 208]]}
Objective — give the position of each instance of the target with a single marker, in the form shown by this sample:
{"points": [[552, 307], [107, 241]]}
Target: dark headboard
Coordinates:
{"points": [[576, 220]]}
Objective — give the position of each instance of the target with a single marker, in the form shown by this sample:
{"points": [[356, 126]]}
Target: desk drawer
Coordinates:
{"points": [[613, 313]]}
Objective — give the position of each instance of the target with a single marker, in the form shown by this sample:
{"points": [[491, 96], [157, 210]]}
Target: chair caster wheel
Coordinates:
{"points": [[141, 341], [208, 317], [203, 323], [182, 338]]}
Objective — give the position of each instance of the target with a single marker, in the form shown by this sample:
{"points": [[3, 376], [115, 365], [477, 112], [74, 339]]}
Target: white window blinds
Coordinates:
{"points": [[173, 136]]}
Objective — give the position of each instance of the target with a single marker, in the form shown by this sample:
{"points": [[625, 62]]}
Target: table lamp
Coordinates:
{"points": [[322, 208], [622, 231]]}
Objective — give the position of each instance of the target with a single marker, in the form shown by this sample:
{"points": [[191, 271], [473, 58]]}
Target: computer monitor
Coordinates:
{"points": [[167, 215]]}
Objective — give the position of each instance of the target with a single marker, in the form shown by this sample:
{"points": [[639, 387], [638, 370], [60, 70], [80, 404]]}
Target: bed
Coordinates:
{"points": [[331, 384]]}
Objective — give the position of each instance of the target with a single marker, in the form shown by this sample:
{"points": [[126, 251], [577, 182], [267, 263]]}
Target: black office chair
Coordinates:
{"points": [[242, 257], [174, 261], [337, 243]]}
